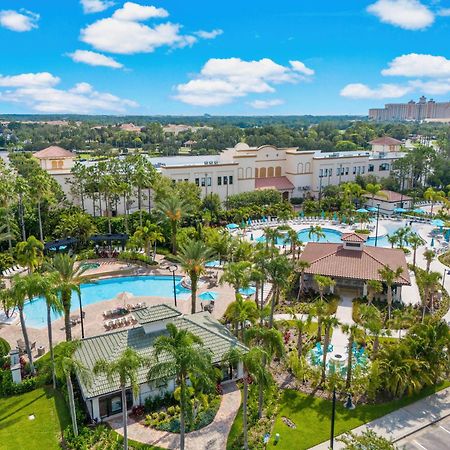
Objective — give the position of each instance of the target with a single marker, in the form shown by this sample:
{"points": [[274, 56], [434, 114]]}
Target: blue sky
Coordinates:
{"points": [[233, 57]]}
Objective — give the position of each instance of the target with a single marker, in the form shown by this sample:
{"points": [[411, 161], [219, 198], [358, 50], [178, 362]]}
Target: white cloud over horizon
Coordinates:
{"points": [[124, 32], [264, 104], [18, 21], [222, 81], [418, 65], [94, 59], [95, 6], [38, 91], [362, 91], [406, 14]]}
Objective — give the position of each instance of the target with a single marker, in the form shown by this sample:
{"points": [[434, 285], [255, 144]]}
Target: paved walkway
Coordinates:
{"points": [[212, 437], [407, 420]]}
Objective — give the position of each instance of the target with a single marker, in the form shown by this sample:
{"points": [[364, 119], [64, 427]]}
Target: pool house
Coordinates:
{"points": [[352, 263], [103, 399]]}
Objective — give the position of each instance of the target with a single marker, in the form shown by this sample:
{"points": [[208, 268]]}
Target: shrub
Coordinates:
{"points": [[86, 254], [135, 256], [8, 388], [4, 347], [171, 410]]}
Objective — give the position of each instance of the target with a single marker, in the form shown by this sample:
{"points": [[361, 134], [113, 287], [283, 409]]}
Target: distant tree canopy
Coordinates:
{"points": [[262, 197]]}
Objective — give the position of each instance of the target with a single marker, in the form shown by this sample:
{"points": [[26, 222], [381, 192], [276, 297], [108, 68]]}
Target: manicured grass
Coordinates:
{"points": [[312, 417], [236, 429], [17, 431]]}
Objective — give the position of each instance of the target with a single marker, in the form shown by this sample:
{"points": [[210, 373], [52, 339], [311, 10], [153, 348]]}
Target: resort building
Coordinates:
{"points": [[103, 399], [352, 263], [389, 201], [386, 144]]}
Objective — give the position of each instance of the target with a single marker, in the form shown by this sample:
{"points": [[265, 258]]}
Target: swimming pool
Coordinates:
{"points": [[155, 286]]}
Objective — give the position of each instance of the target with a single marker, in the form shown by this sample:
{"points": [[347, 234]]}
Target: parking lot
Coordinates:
{"points": [[434, 437]]}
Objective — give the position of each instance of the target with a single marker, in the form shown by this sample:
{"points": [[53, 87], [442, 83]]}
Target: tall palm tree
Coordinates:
{"points": [[433, 196], [238, 274], [317, 231], [147, 235], [373, 287], [272, 342], [319, 310], [392, 239], [415, 241], [389, 277], [278, 270], [239, 312], [174, 209], [40, 191], [193, 256], [125, 368], [295, 242], [329, 322], [374, 189], [66, 366], [402, 235], [354, 332], [373, 322], [253, 368], [69, 278], [30, 253], [430, 283], [323, 282], [181, 354], [301, 327], [429, 255], [272, 235], [301, 266]]}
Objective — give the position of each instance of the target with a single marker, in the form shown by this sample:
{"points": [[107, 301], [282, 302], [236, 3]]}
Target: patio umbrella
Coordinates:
{"points": [[243, 224], [124, 297], [418, 211], [335, 216], [251, 237], [302, 214], [208, 296], [247, 291], [249, 221], [438, 223], [432, 242], [264, 219], [232, 226], [400, 210], [323, 214], [372, 209], [214, 263], [362, 210]]}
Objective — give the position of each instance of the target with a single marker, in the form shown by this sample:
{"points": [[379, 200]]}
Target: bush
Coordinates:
{"points": [[87, 254], [6, 261], [8, 388], [5, 348], [135, 256], [155, 403]]}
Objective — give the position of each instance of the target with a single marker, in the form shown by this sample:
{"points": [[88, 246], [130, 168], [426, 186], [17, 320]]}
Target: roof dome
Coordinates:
{"points": [[241, 146]]}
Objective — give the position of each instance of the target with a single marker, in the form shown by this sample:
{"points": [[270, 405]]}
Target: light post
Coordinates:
{"points": [[446, 272], [348, 405], [376, 228], [81, 316], [320, 188], [173, 268]]}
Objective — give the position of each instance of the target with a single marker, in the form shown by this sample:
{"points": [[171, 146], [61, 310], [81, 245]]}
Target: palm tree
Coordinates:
{"points": [[66, 366], [389, 277], [301, 326], [433, 196], [319, 310], [373, 287], [317, 231], [278, 270], [272, 342], [193, 256], [147, 235], [323, 282], [429, 255], [272, 235], [329, 322], [375, 190], [174, 209], [430, 283], [402, 235], [126, 369], [415, 241], [238, 274], [294, 241], [5, 235], [239, 312], [301, 266], [354, 332], [251, 361], [40, 190], [372, 321], [30, 253], [69, 278], [181, 354]]}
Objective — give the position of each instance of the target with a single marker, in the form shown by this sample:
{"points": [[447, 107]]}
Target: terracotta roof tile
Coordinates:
{"points": [[385, 140], [280, 183], [53, 152], [390, 196], [353, 237]]}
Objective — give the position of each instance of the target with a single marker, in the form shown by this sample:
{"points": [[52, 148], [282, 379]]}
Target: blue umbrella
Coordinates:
{"points": [[247, 291], [334, 216], [362, 210], [264, 219], [208, 296], [418, 211], [400, 210], [214, 263], [432, 242], [302, 214], [447, 235], [232, 226], [323, 214], [249, 221], [251, 237], [372, 209], [438, 223]]}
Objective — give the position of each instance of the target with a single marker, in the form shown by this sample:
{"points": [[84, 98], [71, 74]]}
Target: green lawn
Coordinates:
{"points": [[44, 432], [312, 417]]}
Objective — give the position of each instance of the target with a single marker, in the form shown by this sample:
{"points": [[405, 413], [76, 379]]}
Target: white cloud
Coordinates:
{"points": [[38, 92], [418, 65], [95, 6], [433, 87], [300, 67], [221, 81], [94, 59], [362, 91], [209, 34], [407, 14], [134, 12], [445, 12], [18, 21], [264, 104]]}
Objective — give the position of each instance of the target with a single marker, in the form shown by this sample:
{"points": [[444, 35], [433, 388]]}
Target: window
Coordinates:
{"points": [[270, 172], [278, 171], [338, 171], [363, 169], [230, 179], [262, 172], [354, 170], [197, 181], [321, 173], [371, 168], [54, 164], [112, 404], [208, 181], [186, 179], [219, 181], [256, 173], [330, 172], [346, 170], [225, 180], [384, 167], [359, 170], [203, 182]]}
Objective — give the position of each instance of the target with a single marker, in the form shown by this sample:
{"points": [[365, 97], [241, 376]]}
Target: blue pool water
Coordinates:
{"points": [[155, 286]]}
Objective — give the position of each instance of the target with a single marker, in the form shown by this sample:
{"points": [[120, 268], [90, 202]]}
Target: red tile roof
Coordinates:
{"points": [[354, 237], [390, 196], [385, 140], [53, 152], [334, 261], [280, 183]]}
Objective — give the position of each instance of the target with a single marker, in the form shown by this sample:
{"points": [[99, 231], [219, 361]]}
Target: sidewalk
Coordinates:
{"points": [[405, 421]]}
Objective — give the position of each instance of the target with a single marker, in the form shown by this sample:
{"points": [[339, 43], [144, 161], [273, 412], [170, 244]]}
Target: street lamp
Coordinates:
{"points": [[173, 268], [347, 405], [446, 272], [376, 228], [320, 188], [81, 315]]}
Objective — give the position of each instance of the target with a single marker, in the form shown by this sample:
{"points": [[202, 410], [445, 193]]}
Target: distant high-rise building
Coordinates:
{"points": [[422, 110]]}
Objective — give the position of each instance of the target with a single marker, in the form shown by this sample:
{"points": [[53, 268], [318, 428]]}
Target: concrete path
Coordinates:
{"points": [[407, 420], [212, 437]]}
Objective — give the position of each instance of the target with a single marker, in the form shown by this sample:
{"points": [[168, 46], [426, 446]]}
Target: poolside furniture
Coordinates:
{"points": [[22, 348]]}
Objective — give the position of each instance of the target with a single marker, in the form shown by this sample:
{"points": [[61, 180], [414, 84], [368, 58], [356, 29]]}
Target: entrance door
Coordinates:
{"points": [[286, 195]]}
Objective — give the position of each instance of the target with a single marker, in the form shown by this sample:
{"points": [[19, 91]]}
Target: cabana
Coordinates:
{"points": [[60, 244]]}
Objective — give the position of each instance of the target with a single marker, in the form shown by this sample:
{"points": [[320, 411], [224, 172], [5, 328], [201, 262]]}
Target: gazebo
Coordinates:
{"points": [[108, 239], [60, 244]]}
